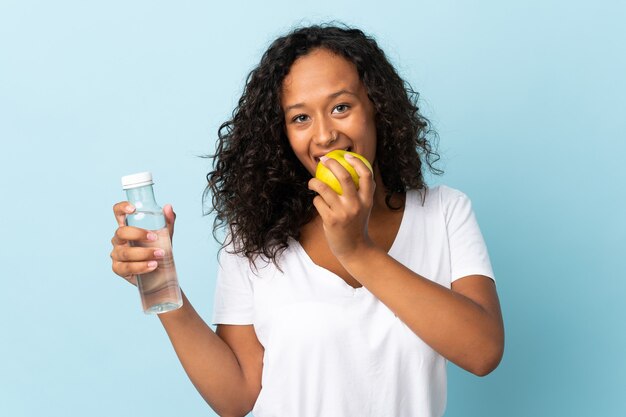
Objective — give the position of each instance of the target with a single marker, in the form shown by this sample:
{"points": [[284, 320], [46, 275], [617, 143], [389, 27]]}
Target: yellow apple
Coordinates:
{"points": [[325, 175]]}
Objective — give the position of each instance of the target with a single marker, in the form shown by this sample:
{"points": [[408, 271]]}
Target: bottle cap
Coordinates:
{"points": [[136, 180]]}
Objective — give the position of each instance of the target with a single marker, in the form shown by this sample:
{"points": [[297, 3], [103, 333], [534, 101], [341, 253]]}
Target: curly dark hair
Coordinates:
{"points": [[259, 187]]}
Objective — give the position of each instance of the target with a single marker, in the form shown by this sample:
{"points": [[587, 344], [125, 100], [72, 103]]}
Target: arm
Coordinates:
{"points": [[464, 323], [225, 367]]}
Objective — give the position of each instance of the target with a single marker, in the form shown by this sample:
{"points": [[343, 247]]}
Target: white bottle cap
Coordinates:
{"points": [[136, 180]]}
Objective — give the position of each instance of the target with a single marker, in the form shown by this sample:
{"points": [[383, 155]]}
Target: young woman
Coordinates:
{"points": [[328, 304]]}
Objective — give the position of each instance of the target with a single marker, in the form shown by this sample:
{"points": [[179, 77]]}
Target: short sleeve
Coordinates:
{"points": [[468, 251], [233, 292]]}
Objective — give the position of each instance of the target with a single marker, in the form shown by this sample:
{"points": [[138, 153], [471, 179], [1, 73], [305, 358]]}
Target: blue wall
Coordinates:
{"points": [[528, 100]]}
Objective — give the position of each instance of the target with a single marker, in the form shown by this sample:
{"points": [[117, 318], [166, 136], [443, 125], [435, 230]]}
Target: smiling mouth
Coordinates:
{"points": [[348, 149]]}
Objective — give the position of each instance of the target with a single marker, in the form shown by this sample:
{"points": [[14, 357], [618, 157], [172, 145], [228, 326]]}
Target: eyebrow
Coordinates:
{"points": [[333, 95]]}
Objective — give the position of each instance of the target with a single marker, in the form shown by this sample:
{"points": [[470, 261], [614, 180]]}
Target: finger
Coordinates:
{"points": [[121, 210], [322, 208], [126, 269], [328, 195], [127, 233], [343, 176], [135, 254], [131, 279], [116, 241], [170, 218], [366, 178]]}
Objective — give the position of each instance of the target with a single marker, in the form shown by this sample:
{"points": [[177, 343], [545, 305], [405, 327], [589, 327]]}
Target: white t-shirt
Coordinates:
{"points": [[332, 350]]}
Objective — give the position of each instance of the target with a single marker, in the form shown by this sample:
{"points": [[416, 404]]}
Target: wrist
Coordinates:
{"points": [[180, 314], [361, 255]]}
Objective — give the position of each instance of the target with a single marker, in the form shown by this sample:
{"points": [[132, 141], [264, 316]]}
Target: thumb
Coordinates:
{"points": [[170, 218]]}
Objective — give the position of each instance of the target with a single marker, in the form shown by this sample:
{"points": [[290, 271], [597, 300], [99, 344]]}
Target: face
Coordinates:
{"points": [[326, 108]]}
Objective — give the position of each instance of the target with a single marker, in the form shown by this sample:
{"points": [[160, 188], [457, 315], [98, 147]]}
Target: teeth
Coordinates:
{"points": [[348, 149]]}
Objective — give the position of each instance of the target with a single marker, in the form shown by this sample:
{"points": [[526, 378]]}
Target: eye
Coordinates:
{"points": [[301, 118], [341, 108]]}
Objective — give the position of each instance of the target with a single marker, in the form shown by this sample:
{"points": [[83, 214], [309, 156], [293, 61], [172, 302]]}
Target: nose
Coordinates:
{"points": [[324, 134]]}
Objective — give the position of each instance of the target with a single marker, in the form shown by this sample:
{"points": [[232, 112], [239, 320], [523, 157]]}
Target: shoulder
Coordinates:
{"points": [[439, 196], [231, 262], [446, 193]]}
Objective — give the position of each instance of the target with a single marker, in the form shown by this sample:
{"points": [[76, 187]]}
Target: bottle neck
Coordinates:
{"points": [[142, 197]]}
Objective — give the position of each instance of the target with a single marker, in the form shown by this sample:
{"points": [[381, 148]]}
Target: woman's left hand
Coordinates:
{"points": [[345, 217]]}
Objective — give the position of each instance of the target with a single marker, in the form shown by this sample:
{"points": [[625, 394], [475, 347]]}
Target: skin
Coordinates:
{"points": [[464, 323], [326, 107], [225, 366]]}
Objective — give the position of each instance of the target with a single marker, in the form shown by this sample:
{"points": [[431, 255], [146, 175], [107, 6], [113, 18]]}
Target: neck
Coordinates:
{"points": [[380, 195]]}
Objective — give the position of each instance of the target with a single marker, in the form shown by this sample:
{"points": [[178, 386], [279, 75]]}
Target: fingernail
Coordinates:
{"points": [[323, 159], [348, 156], [152, 236], [152, 264], [159, 253], [129, 209]]}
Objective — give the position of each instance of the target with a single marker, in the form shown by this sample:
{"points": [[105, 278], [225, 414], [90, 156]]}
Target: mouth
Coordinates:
{"points": [[348, 149]]}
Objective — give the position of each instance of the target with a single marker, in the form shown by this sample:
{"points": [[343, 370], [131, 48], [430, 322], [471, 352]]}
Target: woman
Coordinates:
{"points": [[328, 304]]}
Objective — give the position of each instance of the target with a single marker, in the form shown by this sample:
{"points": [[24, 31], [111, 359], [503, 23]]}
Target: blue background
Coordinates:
{"points": [[529, 102]]}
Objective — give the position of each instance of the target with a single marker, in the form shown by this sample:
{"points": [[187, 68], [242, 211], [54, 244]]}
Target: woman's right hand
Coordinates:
{"points": [[129, 261]]}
